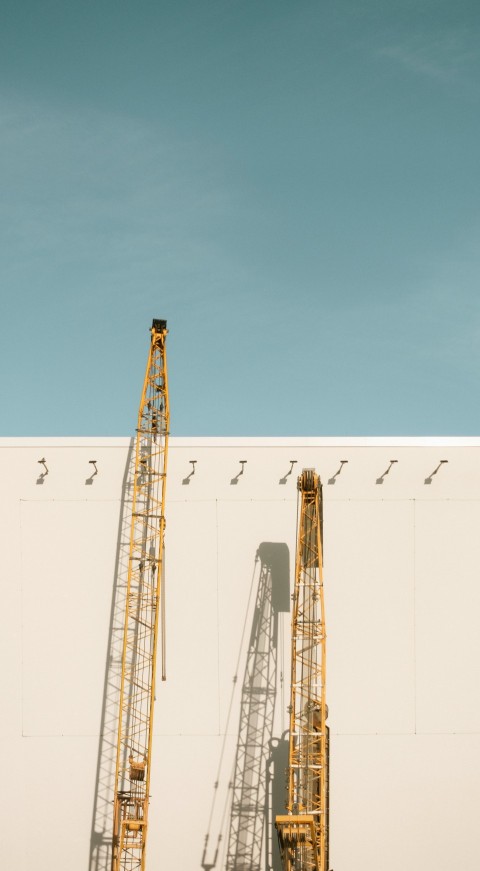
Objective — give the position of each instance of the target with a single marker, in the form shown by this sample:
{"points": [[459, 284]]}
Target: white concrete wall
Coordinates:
{"points": [[402, 588]]}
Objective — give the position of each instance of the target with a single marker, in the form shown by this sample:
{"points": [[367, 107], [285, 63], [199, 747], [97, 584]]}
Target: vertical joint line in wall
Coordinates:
{"points": [[218, 618], [414, 621], [21, 615]]}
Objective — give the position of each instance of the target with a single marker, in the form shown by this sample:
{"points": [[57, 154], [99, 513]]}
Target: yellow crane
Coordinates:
{"points": [[303, 831], [144, 602]]}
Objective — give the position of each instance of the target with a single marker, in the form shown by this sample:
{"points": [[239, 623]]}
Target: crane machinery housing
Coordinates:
{"points": [[144, 602], [303, 831]]}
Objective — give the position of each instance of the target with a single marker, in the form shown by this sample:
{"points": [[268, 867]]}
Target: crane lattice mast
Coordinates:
{"points": [[144, 601], [303, 831]]}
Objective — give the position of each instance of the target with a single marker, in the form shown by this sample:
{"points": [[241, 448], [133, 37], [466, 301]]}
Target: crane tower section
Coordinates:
{"points": [[143, 604], [303, 831]]}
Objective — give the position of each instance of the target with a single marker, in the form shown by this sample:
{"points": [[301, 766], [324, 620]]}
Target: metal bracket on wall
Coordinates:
{"points": [[380, 480], [95, 472], [187, 479], [428, 479], [284, 479], [44, 474], [334, 477], [242, 464]]}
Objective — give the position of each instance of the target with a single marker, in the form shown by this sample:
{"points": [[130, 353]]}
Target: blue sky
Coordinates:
{"points": [[293, 185]]}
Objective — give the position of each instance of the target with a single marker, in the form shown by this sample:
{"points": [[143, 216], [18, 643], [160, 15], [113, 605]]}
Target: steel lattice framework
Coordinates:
{"points": [[142, 609], [303, 832]]}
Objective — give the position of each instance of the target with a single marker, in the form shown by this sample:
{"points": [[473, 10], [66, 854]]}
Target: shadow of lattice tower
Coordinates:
{"points": [[249, 809], [102, 818]]}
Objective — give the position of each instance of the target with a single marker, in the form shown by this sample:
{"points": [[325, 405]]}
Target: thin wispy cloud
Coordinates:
{"points": [[85, 184], [445, 57]]}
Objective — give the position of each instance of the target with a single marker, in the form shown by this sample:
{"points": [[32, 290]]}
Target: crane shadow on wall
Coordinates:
{"points": [[100, 858], [256, 790]]}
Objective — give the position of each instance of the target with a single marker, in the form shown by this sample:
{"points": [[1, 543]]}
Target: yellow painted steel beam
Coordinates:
{"points": [[303, 832], [142, 609]]}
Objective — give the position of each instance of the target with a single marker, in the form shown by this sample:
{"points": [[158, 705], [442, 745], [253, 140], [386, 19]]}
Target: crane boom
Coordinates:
{"points": [[303, 831], [142, 608]]}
